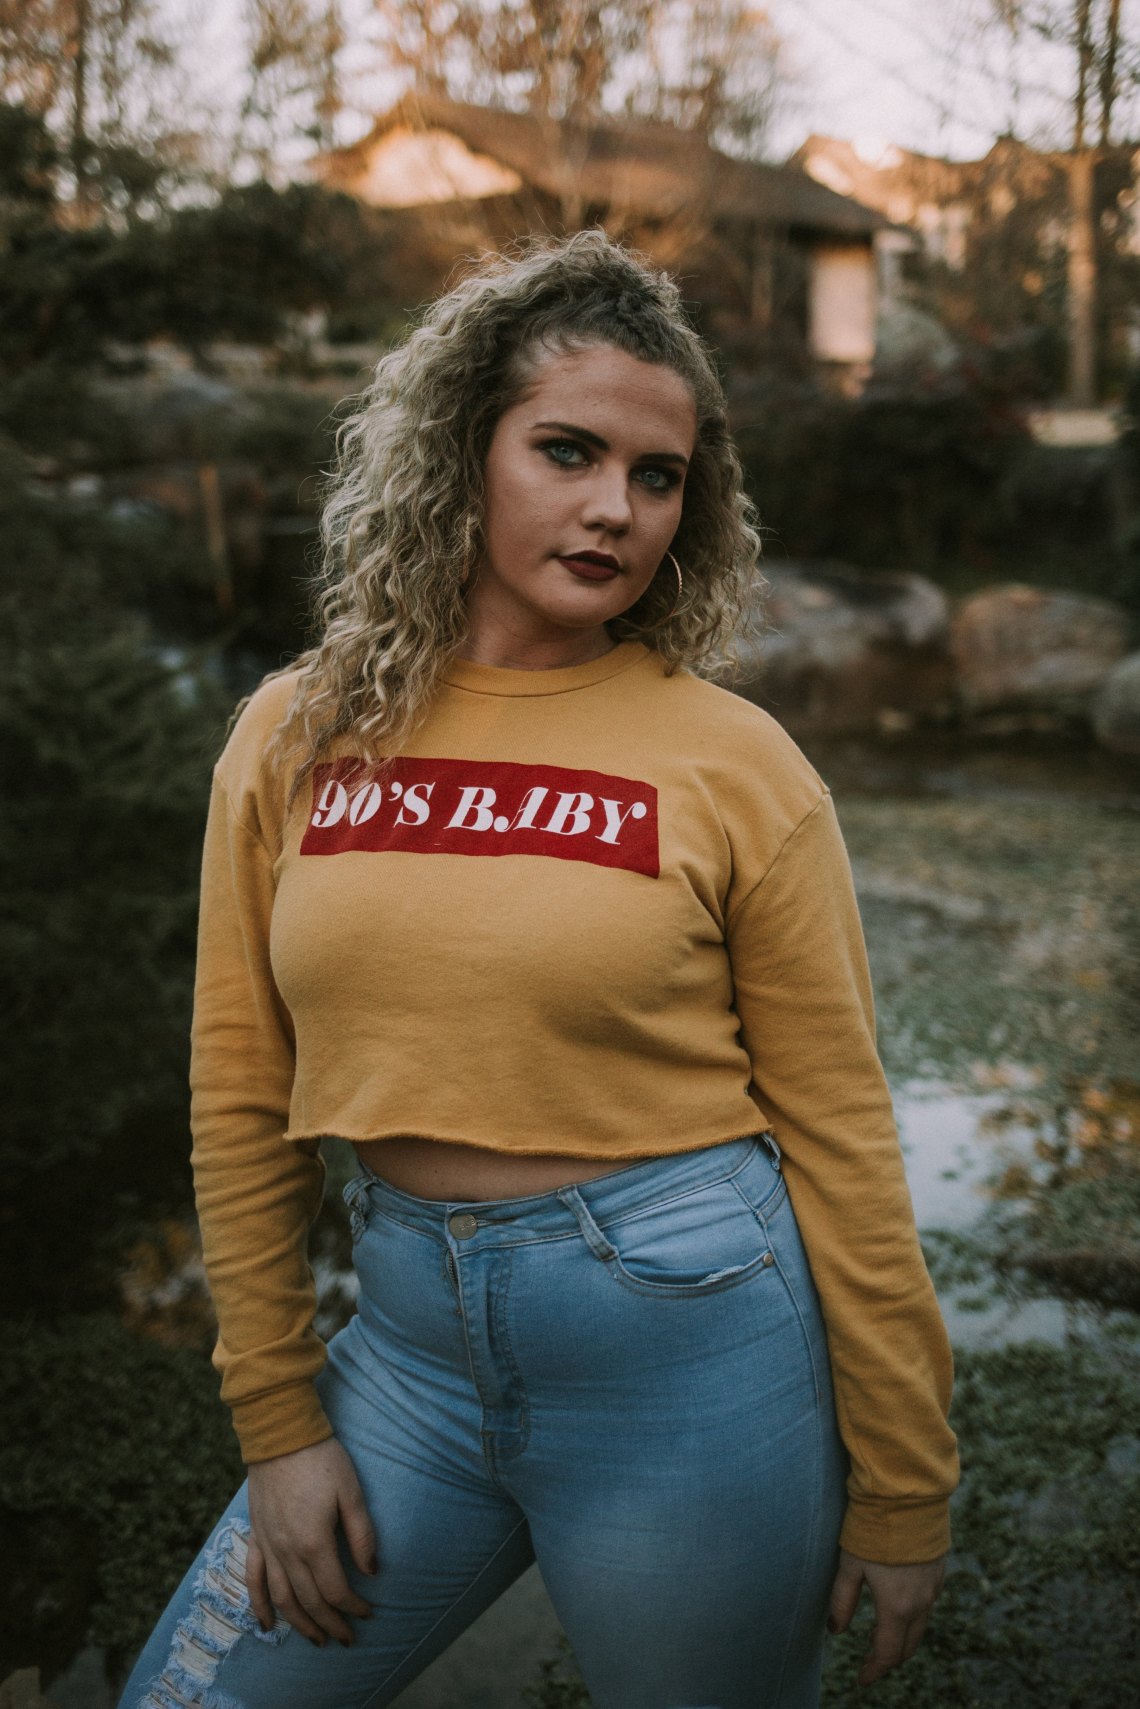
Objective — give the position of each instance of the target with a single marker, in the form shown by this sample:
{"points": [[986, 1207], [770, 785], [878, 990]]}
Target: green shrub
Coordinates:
{"points": [[115, 1462], [105, 758], [237, 267], [907, 475]]}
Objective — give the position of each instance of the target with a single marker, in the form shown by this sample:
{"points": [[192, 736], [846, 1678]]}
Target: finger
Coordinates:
{"points": [[257, 1585], [887, 1638], [287, 1604], [914, 1635], [328, 1619], [844, 1597], [358, 1533], [331, 1584]]}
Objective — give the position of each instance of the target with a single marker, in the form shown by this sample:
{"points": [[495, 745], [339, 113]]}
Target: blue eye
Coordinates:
{"points": [[665, 479], [553, 448]]}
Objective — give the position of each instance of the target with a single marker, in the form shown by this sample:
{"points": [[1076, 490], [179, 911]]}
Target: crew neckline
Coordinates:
{"points": [[503, 679]]}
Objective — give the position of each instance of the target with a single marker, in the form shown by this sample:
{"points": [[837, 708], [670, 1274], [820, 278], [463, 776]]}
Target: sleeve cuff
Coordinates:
{"points": [[280, 1423], [898, 1533]]}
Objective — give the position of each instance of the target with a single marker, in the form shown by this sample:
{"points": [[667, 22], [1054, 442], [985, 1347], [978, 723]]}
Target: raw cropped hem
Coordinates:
{"points": [[309, 1136], [902, 1534], [280, 1423]]}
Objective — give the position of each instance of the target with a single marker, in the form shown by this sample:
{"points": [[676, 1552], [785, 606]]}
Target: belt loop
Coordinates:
{"points": [[356, 1185], [774, 1151], [592, 1234]]}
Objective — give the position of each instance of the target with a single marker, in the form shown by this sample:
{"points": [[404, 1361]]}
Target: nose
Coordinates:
{"points": [[607, 501]]}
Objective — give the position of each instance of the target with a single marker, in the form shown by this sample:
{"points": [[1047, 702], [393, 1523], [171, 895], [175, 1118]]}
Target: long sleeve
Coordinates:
{"points": [[804, 999], [256, 1193]]}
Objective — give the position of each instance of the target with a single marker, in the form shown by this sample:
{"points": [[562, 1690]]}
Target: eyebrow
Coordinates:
{"points": [[604, 445]]}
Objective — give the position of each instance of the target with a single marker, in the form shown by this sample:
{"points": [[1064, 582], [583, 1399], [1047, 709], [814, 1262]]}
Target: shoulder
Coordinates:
{"points": [[243, 768], [737, 743]]}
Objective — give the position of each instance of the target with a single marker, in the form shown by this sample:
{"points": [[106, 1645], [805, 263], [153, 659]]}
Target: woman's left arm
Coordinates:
{"points": [[803, 997]]}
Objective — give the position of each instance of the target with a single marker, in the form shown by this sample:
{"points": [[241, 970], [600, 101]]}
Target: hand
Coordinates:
{"points": [[903, 1597], [295, 1501]]}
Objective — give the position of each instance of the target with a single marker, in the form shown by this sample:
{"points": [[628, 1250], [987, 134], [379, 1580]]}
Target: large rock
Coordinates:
{"points": [[21, 1690], [175, 414], [1116, 709], [1024, 648], [848, 650]]}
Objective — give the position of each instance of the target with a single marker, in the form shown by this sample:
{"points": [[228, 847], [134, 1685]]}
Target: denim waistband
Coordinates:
{"points": [[545, 1215]]}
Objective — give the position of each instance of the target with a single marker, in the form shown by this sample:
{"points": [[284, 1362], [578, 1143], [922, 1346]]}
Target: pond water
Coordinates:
{"points": [[999, 885]]}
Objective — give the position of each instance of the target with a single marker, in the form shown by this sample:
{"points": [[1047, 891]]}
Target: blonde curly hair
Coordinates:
{"points": [[402, 511]]}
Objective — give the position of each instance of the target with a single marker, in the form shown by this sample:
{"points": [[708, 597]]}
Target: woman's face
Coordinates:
{"points": [[583, 479]]}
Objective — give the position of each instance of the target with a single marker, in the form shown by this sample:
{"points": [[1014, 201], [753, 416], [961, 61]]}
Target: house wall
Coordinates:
{"points": [[407, 169], [842, 300]]}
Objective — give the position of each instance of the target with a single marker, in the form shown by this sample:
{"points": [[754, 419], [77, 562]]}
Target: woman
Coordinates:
{"points": [[561, 937]]}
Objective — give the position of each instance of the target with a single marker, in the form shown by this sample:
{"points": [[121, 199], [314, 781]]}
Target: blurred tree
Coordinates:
{"points": [[104, 77], [715, 68], [1105, 68], [28, 158], [241, 266], [555, 59], [293, 79], [706, 65]]}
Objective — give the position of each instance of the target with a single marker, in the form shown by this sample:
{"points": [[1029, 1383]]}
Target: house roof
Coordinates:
{"points": [[839, 163], [656, 170]]}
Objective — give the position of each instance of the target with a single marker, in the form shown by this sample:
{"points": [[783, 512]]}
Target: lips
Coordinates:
{"points": [[593, 566]]}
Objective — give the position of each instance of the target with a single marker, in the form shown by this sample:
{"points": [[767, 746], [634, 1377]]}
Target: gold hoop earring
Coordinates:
{"points": [[672, 611]]}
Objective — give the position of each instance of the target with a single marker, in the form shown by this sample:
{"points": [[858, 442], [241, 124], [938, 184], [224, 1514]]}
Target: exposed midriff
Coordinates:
{"points": [[431, 1169]]}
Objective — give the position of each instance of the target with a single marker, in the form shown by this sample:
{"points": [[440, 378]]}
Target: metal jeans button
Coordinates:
{"points": [[462, 1224]]}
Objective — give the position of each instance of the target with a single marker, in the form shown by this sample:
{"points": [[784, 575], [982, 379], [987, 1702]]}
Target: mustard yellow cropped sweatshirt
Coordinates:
{"points": [[596, 910]]}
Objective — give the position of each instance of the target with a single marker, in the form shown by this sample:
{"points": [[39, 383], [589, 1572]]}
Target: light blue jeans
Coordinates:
{"points": [[626, 1380]]}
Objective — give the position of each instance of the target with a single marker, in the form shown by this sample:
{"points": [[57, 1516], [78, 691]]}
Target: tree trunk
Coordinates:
{"points": [[1082, 280], [761, 284], [80, 145]]}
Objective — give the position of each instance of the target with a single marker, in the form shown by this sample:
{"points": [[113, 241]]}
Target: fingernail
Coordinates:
{"points": [[373, 1566], [831, 1625]]}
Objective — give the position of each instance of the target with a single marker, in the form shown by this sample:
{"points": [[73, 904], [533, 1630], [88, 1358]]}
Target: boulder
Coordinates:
{"points": [[1116, 708], [844, 650], [21, 1690], [176, 414], [1019, 648]]}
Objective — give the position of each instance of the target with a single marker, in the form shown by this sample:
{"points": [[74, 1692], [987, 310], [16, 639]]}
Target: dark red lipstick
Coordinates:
{"points": [[594, 566]]}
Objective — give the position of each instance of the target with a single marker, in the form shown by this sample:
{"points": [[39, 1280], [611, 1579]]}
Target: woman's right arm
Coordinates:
{"points": [[257, 1195]]}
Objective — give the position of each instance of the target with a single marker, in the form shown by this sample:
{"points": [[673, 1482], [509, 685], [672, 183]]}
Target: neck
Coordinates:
{"points": [[522, 653]]}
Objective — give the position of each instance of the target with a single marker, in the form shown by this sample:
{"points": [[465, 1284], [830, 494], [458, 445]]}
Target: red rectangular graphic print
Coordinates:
{"points": [[484, 807]]}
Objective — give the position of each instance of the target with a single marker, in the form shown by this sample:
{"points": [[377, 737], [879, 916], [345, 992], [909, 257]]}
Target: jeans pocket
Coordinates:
{"points": [[700, 1242], [356, 1198]]}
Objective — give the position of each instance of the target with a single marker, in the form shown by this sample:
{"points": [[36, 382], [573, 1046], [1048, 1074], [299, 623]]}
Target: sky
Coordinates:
{"points": [[914, 73], [923, 76]]}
